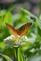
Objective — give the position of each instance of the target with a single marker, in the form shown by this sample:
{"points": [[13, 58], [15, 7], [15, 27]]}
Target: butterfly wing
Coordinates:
{"points": [[11, 29]]}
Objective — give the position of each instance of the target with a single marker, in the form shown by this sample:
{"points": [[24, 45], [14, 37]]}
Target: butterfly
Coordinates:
{"points": [[21, 31], [17, 34]]}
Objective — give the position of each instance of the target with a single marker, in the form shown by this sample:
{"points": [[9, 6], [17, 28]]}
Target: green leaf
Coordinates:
{"points": [[39, 31], [39, 22], [27, 12], [6, 57], [4, 33], [2, 45], [8, 17], [26, 45]]}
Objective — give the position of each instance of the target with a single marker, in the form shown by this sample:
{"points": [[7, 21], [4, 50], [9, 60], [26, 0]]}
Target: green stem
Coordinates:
{"points": [[19, 54]]}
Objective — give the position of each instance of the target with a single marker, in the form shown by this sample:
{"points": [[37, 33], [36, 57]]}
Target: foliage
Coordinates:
{"points": [[30, 46]]}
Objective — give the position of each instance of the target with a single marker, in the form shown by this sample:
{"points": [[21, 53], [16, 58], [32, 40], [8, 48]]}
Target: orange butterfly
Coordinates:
{"points": [[21, 31]]}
